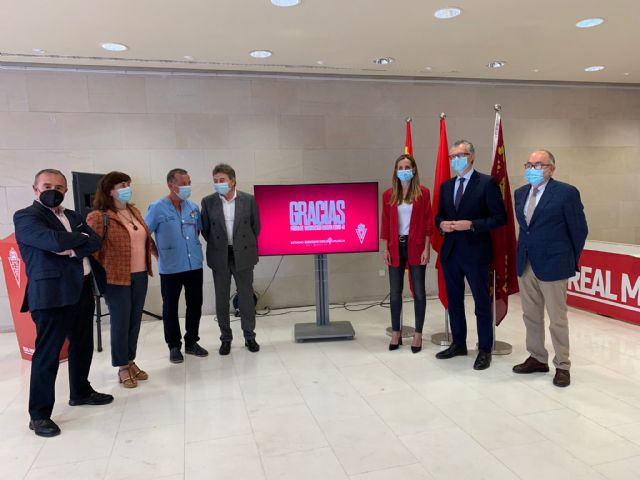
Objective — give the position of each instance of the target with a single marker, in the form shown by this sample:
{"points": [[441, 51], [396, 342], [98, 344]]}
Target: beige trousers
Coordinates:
{"points": [[535, 295]]}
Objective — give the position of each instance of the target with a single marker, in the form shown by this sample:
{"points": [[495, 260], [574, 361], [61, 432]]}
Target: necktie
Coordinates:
{"points": [[532, 204], [459, 193]]}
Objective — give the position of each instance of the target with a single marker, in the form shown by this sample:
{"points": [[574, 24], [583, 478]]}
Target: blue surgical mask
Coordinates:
{"points": [[404, 175], [534, 177], [459, 163], [221, 188], [124, 194], [184, 192]]}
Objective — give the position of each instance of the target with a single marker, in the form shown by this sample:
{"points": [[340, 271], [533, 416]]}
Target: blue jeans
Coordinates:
{"points": [[396, 282], [125, 304]]}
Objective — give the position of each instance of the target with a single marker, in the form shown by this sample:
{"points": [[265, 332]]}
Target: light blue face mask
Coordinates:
{"points": [[534, 177], [221, 188], [404, 175], [184, 192], [124, 194], [459, 163]]}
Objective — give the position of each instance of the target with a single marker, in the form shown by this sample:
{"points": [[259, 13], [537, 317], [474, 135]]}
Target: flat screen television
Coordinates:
{"points": [[317, 218]]}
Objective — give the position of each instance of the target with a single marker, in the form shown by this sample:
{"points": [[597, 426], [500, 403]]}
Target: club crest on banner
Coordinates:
{"points": [[14, 261], [361, 231]]}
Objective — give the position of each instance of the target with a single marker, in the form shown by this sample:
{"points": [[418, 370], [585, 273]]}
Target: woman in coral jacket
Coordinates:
{"points": [[407, 225]]}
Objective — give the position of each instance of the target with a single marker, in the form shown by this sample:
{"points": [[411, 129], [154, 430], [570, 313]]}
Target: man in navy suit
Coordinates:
{"points": [[55, 244], [470, 206], [553, 230]]}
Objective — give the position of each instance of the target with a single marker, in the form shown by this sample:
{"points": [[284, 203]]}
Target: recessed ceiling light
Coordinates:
{"points": [[320, 62], [285, 3], [189, 58], [590, 22], [496, 64], [260, 53], [383, 60], [114, 47], [446, 13], [536, 70], [626, 74], [39, 51], [594, 68], [428, 69]]}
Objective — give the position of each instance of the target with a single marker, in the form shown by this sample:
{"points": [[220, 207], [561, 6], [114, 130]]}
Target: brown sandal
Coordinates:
{"points": [[127, 381], [137, 373]]}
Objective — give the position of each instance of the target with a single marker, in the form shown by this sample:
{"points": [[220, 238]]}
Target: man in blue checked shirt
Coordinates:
{"points": [[175, 222]]}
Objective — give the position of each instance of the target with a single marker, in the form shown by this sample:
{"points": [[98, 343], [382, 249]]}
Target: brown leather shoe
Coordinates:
{"points": [[562, 378], [531, 365]]}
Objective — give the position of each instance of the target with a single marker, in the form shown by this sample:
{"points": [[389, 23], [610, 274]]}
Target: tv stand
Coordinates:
{"points": [[323, 329]]}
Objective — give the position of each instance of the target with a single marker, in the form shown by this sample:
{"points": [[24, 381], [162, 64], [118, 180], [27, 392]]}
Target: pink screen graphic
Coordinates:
{"points": [[317, 218]]}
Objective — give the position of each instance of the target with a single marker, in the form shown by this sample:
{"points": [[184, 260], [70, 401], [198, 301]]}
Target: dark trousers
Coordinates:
{"points": [[477, 275], [125, 304], [396, 282], [53, 325], [171, 286], [244, 284]]}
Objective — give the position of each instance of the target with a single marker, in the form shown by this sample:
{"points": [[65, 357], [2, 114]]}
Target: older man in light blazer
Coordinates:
{"points": [[230, 225]]}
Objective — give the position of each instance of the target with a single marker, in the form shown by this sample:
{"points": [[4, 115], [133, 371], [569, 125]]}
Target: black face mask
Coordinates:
{"points": [[51, 198]]}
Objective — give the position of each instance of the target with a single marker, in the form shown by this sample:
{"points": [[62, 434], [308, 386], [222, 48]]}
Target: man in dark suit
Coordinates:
{"points": [[230, 225], [553, 230], [470, 206], [55, 244]]}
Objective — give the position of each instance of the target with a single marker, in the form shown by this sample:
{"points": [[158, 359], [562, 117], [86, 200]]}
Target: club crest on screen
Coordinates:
{"points": [[361, 231]]}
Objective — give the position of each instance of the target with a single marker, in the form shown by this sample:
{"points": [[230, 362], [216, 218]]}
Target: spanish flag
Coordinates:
{"points": [[408, 146]]}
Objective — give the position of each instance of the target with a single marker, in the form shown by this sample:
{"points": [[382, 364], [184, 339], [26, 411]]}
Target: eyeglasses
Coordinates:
{"points": [[536, 166], [462, 154]]}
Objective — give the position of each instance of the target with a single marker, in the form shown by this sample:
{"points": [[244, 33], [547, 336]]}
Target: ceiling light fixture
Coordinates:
{"points": [[189, 58], [39, 51], [626, 74], [536, 70], [496, 64], [260, 53], [114, 47], [594, 68], [285, 3], [428, 69], [590, 22], [383, 60], [447, 13]]}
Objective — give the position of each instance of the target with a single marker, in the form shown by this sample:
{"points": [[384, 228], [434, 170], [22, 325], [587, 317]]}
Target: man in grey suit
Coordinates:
{"points": [[230, 225]]}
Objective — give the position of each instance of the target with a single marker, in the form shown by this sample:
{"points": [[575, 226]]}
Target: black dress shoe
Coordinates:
{"points": [[562, 378], [252, 345], [94, 398], [196, 350], [44, 428], [453, 351], [483, 360], [395, 346], [225, 347], [175, 355]]}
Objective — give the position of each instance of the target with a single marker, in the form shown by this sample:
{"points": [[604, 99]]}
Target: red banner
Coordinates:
{"points": [[408, 144], [443, 173], [608, 284], [15, 276]]}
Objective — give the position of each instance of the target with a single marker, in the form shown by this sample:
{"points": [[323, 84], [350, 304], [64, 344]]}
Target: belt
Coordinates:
{"points": [[403, 238]]}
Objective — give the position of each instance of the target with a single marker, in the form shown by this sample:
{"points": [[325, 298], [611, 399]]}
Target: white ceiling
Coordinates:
{"points": [[344, 34]]}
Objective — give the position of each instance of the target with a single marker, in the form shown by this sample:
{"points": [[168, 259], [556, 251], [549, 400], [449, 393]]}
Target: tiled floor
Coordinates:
{"points": [[339, 410]]}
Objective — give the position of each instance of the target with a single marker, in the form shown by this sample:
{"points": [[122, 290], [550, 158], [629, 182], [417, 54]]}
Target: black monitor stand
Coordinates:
{"points": [[323, 329]]}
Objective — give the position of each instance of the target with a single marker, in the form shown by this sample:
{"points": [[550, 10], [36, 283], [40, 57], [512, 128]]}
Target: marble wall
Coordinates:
{"points": [[281, 130]]}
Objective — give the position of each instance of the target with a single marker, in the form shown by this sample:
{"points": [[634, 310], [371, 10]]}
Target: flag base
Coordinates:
{"points": [[443, 339], [501, 348], [406, 332]]}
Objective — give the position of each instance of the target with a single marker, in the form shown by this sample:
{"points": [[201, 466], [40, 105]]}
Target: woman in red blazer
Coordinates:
{"points": [[407, 225]]}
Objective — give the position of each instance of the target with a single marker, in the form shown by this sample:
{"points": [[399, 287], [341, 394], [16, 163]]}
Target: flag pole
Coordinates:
{"points": [[443, 338], [499, 347]]}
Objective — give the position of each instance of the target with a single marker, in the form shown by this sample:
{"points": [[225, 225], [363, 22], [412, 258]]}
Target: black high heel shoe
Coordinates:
{"points": [[395, 346], [416, 349]]}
